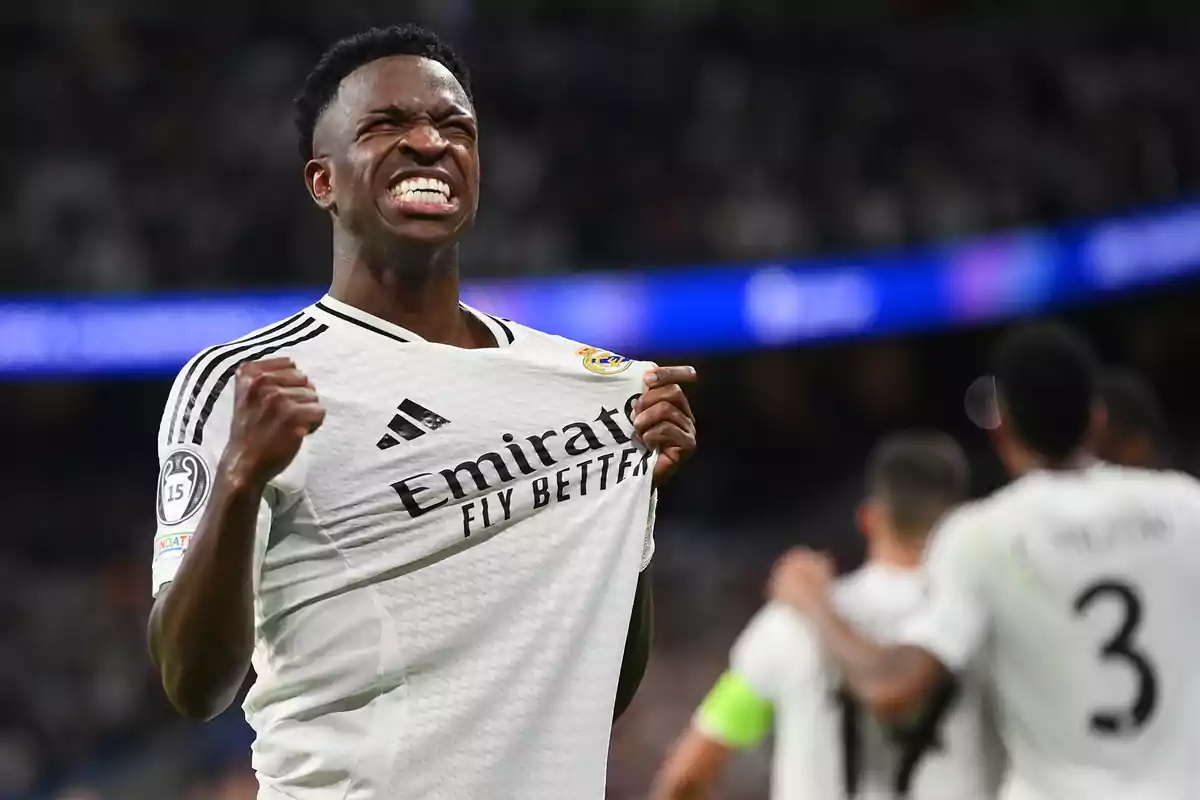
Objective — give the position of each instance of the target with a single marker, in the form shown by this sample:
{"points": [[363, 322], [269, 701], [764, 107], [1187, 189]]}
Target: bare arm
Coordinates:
{"points": [[201, 627], [892, 681], [946, 634], [637, 644], [737, 714], [691, 769]]}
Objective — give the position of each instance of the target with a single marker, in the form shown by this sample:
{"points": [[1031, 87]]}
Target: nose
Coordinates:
{"points": [[424, 143]]}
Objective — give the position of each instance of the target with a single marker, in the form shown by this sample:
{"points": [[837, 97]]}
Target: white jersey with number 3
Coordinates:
{"points": [[1079, 589], [444, 576]]}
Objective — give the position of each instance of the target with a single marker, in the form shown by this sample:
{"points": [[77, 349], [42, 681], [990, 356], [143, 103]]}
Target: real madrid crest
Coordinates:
{"points": [[183, 486], [602, 362]]}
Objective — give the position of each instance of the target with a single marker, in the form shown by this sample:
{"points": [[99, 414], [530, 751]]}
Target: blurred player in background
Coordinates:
{"points": [[437, 566], [1074, 586], [1134, 430], [826, 744]]}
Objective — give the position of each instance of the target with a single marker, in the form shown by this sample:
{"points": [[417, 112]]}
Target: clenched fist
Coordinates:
{"points": [[663, 419], [801, 579], [275, 406]]}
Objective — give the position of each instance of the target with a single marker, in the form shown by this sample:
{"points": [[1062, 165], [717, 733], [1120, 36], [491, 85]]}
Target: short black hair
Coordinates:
{"points": [[1047, 380], [350, 53], [920, 475], [1133, 407]]}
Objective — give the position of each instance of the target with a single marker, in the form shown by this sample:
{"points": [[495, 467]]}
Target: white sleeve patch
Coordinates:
{"points": [[169, 549], [184, 484]]}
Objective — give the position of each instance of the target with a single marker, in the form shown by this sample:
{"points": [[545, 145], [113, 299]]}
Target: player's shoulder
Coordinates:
{"points": [[590, 357], [276, 338], [1153, 480], [774, 622], [779, 648], [532, 337], [1112, 482], [781, 622], [1177, 493], [201, 387], [873, 596], [850, 589]]}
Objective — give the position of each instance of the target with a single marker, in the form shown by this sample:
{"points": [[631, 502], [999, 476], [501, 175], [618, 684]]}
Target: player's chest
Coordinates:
{"points": [[477, 441], [413, 408]]}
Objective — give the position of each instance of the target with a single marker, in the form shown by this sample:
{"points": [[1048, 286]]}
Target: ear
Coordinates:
{"points": [[478, 179], [865, 517], [319, 181]]}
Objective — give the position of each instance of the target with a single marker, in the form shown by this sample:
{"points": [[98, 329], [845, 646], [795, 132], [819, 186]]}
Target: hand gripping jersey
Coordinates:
{"points": [[825, 745], [445, 574], [1079, 589]]}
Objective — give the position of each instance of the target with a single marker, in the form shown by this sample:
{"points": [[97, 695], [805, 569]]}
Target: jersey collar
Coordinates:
{"points": [[331, 307]]}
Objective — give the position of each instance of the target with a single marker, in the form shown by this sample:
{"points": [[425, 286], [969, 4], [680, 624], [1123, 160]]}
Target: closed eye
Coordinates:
{"points": [[377, 125], [461, 126]]}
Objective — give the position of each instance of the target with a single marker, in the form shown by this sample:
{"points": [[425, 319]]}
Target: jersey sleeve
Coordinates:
{"points": [[775, 647], [191, 438], [953, 621]]}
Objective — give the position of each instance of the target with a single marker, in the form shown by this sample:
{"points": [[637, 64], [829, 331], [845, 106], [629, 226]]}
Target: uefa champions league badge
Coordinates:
{"points": [[603, 362], [183, 486]]}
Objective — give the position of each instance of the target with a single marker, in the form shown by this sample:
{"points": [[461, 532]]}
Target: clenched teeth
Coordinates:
{"points": [[425, 190]]}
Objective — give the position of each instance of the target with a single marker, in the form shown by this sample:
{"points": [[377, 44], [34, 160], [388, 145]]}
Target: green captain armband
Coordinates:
{"points": [[734, 713]]}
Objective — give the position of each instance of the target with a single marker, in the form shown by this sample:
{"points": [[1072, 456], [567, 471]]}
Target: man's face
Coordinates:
{"points": [[396, 156]]}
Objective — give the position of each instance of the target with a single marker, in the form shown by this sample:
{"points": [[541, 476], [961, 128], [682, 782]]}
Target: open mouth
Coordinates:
{"points": [[423, 196]]}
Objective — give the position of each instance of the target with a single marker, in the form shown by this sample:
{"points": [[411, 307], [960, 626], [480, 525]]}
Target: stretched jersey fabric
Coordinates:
{"points": [[825, 745], [444, 575], [1076, 589]]}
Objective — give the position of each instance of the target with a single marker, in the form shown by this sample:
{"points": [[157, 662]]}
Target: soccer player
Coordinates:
{"points": [[1134, 429], [436, 565], [779, 678], [1073, 585]]}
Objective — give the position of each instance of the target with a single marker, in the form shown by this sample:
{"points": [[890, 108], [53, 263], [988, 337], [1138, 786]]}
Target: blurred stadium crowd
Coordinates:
{"points": [[157, 151], [153, 151]]}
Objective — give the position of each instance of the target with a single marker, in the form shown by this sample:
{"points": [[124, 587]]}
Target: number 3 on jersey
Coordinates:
{"points": [[1123, 647]]}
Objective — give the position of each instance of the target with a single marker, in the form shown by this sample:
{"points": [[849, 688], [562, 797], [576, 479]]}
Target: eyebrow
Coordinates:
{"points": [[448, 110]]}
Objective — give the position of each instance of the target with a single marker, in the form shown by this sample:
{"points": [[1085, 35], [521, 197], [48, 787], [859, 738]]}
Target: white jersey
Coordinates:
{"points": [[1077, 589], [445, 574], [828, 747]]}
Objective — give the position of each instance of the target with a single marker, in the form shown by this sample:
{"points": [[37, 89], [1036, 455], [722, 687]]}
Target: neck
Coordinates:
{"points": [[888, 552], [416, 289], [1028, 461]]}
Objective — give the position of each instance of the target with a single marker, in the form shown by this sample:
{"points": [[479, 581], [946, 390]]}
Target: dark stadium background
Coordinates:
{"points": [[146, 147]]}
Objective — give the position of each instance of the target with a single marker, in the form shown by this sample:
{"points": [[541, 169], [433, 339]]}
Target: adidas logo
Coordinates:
{"points": [[404, 427]]}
